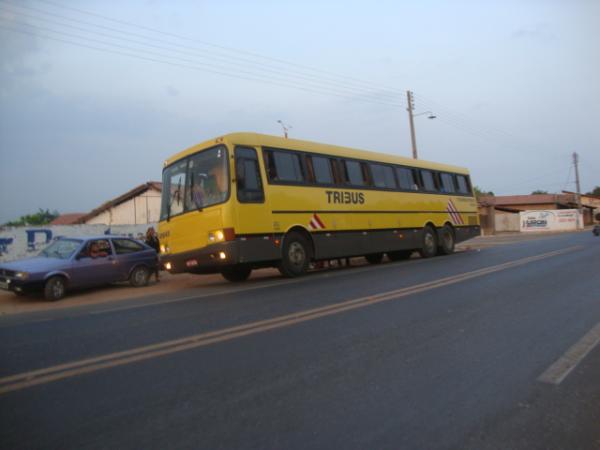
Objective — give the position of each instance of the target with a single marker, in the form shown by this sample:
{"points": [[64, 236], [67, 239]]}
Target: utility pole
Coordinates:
{"points": [[576, 164], [410, 109]]}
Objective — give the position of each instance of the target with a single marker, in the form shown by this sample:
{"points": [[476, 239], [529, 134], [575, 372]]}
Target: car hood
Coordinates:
{"points": [[37, 264]]}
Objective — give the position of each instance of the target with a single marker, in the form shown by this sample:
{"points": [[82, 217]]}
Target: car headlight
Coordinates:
{"points": [[22, 275]]}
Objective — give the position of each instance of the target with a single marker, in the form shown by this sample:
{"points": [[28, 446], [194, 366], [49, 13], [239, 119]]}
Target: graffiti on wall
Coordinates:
{"points": [[23, 242], [551, 220]]}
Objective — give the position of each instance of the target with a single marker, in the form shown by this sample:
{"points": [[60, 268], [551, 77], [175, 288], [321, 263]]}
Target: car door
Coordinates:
{"points": [[91, 270], [130, 253]]}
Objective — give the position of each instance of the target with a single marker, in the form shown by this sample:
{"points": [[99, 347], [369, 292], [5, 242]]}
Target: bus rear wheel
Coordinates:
{"points": [[428, 243], [447, 240], [295, 255], [236, 273]]}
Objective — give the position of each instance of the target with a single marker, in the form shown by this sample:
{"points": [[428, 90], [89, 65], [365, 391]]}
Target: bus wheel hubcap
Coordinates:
{"points": [[296, 254], [429, 241]]}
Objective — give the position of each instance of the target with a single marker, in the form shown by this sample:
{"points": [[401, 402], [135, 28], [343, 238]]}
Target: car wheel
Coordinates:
{"points": [[428, 243], [399, 255], [55, 288], [374, 258], [139, 277], [448, 241], [295, 255], [237, 273]]}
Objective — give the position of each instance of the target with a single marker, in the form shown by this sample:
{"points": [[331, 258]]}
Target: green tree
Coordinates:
{"points": [[42, 217], [539, 192], [595, 191], [480, 192]]}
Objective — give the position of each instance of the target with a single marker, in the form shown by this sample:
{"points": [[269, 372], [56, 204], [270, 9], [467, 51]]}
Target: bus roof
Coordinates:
{"points": [[265, 140]]}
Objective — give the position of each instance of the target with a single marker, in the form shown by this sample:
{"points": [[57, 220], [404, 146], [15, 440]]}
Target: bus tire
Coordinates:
{"points": [[374, 258], [295, 255], [447, 240], [399, 255], [428, 243], [237, 273]]}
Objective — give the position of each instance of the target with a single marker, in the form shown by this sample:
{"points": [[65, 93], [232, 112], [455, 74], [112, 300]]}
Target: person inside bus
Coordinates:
{"points": [[215, 189]]}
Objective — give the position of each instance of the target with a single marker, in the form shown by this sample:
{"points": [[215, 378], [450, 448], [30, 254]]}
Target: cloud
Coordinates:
{"points": [[540, 32], [172, 92]]}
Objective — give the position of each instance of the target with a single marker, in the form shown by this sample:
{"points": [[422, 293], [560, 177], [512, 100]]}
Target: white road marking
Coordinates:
{"points": [[558, 371]]}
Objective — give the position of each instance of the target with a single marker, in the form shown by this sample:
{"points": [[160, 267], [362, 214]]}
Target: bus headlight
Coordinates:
{"points": [[216, 236], [226, 234], [222, 255], [168, 266]]}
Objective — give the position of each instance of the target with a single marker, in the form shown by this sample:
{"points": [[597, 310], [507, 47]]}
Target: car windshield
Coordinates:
{"points": [[62, 248], [195, 182]]}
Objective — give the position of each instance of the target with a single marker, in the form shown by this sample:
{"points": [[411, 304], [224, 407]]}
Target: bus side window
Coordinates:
{"points": [[247, 174], [463, 185], [447, 183], [428, 181], [319, 169], [338, 173], [270, 165], [354, 174]]}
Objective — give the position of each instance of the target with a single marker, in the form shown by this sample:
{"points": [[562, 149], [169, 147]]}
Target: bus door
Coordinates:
{"points": [[253, 221]]}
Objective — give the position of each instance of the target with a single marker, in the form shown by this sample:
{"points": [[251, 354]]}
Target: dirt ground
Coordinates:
{"points": [[12, 304]]}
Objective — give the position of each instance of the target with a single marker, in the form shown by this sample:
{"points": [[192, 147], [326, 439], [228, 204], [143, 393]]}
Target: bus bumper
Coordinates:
{"points": [[215, 257]]}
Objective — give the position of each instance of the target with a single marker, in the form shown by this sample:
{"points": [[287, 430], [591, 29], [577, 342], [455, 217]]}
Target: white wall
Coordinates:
{"points": [[551, 220], [23, 242], [143, 209], [507, 222]]}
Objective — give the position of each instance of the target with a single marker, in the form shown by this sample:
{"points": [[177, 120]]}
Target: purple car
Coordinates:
{"points": [[80, 262]]}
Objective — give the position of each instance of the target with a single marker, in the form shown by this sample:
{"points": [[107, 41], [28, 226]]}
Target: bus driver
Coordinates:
{"points": [[211, 190]]}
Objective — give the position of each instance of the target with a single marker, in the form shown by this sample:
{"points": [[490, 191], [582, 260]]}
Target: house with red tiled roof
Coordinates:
{"points": [[140, 205], [67, 219]]}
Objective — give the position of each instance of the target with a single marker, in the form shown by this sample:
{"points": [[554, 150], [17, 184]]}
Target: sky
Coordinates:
{"points": [[95, 95]]}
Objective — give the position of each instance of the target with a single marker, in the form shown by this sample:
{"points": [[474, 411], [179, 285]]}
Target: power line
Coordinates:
{"points": [[204, 69], [223, 48], [358, 90]]}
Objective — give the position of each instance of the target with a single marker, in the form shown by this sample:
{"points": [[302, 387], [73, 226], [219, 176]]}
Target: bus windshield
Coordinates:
{"points": [[195, 182]]}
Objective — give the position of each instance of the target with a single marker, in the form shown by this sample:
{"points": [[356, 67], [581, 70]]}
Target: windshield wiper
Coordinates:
{"points": [[177, 194], [193, 198]]}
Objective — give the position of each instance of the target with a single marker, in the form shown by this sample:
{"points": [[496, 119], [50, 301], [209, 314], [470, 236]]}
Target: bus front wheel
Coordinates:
{"points": [[295, 255], [236, 273], [429, 243]]}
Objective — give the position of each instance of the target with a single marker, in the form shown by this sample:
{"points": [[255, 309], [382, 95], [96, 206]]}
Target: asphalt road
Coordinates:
{"points": [[490, 349]]}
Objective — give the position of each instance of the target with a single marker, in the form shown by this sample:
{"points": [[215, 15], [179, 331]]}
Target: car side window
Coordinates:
{"points": [[99, 248], [124, 246]]}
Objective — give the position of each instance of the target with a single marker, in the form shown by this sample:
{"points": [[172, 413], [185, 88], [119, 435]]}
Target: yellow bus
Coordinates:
{"points": [[244, 201]]}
